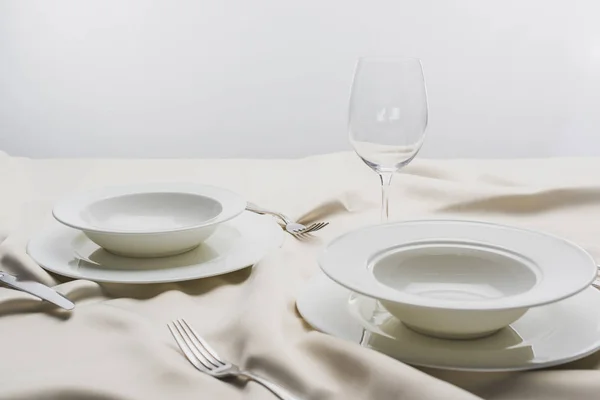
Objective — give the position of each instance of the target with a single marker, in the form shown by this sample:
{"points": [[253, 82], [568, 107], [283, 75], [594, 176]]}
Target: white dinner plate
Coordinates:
{"points": [[545, 336], [235, 244]]}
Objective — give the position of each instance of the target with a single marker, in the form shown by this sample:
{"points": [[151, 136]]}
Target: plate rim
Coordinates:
{"points": [[308, 291], [232, 203]]}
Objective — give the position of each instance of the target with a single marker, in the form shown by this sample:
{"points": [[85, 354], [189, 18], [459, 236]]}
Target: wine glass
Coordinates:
{"points": [[388, 116]]}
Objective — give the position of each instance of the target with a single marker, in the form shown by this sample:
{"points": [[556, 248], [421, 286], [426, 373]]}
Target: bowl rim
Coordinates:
{"points": [[366, 284], [66, 211]]}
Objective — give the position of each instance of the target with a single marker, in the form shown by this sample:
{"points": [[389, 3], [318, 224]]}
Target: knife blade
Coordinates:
{"points": [[37, 289]]}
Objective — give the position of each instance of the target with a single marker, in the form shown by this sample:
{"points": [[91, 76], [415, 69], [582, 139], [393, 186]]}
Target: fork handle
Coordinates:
{"points": [[259, 210], [273, 388]]}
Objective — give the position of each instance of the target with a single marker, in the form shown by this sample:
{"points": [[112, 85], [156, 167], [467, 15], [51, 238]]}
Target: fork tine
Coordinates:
{"points": [[316, 227], [323, 225], [308, 229], [192, 347], [312, 228], [199, 352], [186, 350], [202, 342]]}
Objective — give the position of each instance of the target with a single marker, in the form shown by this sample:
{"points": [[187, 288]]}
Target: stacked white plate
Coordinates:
{"points": [[458, 295], [153, 233]]}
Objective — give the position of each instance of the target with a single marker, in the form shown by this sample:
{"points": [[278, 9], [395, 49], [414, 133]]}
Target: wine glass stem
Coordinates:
{"points": [[386, 179]]}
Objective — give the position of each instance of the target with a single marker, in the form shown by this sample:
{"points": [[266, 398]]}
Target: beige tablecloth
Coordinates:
{"points": [[115, 345]]}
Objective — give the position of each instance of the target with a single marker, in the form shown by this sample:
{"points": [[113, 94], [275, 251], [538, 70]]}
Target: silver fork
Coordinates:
{"points": [[206, 360], [292, 227]]}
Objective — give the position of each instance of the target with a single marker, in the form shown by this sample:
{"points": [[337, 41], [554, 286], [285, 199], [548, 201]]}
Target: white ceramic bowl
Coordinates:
{"points": [[457, 279], [150, 220]]}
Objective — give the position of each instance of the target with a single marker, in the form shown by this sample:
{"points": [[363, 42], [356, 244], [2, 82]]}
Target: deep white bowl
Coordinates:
{"points": [[454, 271], [149, 220], [457, 279]]}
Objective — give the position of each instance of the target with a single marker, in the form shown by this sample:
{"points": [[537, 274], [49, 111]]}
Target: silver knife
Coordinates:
{"points": [[37, 289]]}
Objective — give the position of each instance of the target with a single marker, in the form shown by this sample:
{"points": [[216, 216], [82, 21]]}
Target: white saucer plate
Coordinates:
{"points": [[545, 336], [235, 244]]}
